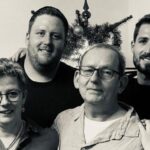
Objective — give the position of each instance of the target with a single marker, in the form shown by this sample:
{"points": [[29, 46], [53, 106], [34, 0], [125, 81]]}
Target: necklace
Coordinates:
{"points": [[17, 137]]}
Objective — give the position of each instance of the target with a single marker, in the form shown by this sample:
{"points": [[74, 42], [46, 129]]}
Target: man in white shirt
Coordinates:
{"points": [[101, 122]]}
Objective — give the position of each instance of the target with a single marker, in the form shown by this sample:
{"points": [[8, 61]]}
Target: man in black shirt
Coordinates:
{"points": [[137, 92], [50, 82]]}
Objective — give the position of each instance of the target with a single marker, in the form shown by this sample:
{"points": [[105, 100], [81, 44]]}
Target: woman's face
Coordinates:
{"points": [[11, 100]]}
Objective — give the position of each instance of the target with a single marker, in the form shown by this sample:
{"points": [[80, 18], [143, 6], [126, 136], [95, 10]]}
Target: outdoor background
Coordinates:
{"points": [[15, 14]]}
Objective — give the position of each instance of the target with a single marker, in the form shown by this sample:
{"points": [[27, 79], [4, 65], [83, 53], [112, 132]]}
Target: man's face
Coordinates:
{"points": [[141, 50], [10, 104], [46, 40], [93, 89]]}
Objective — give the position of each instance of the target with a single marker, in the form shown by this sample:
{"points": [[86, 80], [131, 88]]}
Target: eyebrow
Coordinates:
{"points": [[104, 67], [142, 38]]}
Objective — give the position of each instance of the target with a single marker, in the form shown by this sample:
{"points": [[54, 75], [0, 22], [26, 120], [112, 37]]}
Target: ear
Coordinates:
{"points": [[132, 46], [24, 96], [76, 79], [27, 38], [123, 83], [65, 43]]}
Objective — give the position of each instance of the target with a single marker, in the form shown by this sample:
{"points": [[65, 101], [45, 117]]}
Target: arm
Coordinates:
{"points": [[19, 54], [145, 133], [48, 140]]}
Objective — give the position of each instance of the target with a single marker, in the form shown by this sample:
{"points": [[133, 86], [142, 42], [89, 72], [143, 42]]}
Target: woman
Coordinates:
{"points": [[15, 133]]}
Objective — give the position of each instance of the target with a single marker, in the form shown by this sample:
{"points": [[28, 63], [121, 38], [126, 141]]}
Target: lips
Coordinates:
{"points": [[145, 57], [46, 50], [95, 90], [6, 112]]}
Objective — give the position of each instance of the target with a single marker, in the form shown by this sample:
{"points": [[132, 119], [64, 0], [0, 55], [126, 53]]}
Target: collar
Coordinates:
{"points": [[125, 126]]}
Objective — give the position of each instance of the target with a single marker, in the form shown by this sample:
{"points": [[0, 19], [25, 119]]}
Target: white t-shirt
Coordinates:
{"points": [[92, 127]]}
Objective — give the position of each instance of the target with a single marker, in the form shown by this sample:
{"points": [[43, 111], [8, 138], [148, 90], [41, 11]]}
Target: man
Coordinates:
{"points": [[101, 122], [145, 132], [50, 82], [138, 89]]}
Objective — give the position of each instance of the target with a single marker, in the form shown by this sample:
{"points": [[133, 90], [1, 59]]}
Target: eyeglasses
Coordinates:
{"points": [[104, 73], [12, 96]]}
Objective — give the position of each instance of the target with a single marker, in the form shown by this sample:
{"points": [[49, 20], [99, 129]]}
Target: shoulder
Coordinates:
{"points": [[67, 116], [39, 138], [132, 74], [69, 113], [66, 68], [48, 139], [21, 61], [132, 78]]}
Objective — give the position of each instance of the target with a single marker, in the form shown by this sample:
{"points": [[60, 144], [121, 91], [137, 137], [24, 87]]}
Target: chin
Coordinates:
{"points": [[94, 100], [6, 121]]}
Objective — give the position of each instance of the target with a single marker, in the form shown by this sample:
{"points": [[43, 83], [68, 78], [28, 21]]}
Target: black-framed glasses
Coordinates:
{"points": [[12, 96], [104, 73]]}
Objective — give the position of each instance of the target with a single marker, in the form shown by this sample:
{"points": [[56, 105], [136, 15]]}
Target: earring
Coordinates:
{"points": [[23, 109]]}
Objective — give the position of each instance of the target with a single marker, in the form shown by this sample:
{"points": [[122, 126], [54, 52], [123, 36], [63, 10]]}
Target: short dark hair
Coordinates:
{"points": [[13, 69], [121, 57], [48, 10], [144, 20]]}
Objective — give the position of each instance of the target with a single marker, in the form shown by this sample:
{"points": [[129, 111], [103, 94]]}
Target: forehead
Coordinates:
{"points": [[144, 30], [48, 21], [101, 57], [8, 83]]}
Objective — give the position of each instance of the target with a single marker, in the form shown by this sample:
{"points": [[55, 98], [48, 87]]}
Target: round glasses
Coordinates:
{"points": [[104, 73], [12, 96]]}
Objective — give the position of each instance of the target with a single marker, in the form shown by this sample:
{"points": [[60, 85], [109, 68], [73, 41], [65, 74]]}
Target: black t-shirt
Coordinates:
{"points": [[137, 96], [45, 100]]}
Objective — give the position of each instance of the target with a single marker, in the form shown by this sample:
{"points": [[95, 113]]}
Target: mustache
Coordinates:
{"points": [[46, 47], [145, 55]]}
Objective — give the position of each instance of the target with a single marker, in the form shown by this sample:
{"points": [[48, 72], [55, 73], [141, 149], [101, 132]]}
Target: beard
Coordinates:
{"points": [[145, 69], [44, 61]]}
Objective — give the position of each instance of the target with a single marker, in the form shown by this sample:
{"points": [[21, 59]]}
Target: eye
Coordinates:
{"points": [[13, 94], [107, 72], [143, 40], [87, 71], [56, 36], [40, 33]]}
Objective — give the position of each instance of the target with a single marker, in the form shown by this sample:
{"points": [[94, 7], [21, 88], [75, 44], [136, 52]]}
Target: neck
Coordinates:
{"points": [[10, 129], [9, 134], [143, 79], [103, 113], [40, 73]]}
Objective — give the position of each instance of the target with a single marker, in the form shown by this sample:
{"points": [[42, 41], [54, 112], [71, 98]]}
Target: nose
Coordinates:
{"points": [[148, 47], [4, 100], [47, 39], [95, 77]]}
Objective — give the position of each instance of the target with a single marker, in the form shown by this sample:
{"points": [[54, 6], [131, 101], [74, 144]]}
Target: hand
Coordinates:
{"points": [[145, 133], [19, 54]]}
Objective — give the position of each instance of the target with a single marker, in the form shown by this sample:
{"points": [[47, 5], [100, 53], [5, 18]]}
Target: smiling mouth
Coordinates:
{"points": [[6, 112], [46, 50], [147, 58]]}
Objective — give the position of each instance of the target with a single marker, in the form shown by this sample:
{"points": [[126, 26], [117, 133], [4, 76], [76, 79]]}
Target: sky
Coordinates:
{"points": [[15, 15]]}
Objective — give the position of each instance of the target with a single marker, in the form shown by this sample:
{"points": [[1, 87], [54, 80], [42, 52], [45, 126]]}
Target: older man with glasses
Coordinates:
{"points": [[101, 122]]}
